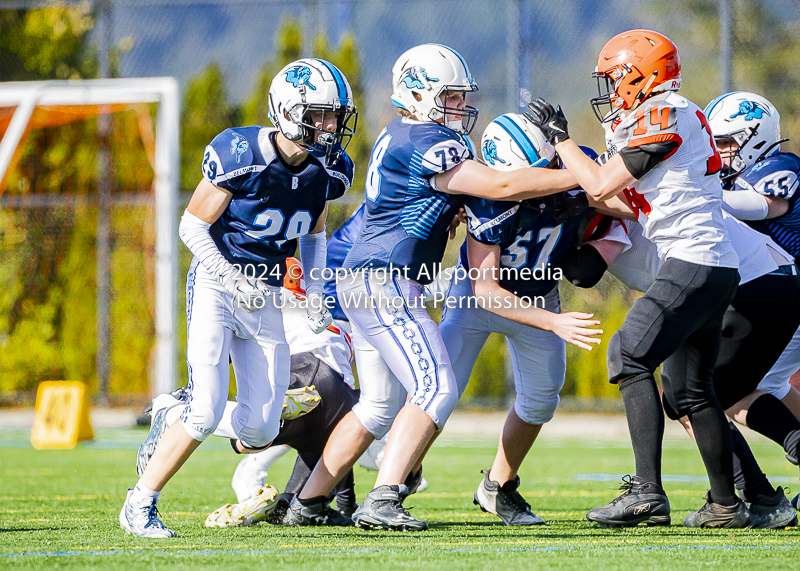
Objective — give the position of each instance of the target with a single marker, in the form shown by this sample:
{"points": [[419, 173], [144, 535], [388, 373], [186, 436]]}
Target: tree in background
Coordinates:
{"points": [[47, 266], [289, 47], [206, 112]]}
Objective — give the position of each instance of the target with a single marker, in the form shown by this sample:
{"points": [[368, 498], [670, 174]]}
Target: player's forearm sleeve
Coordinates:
{"points": [[745, 204], [313, 255], [194, 233]]}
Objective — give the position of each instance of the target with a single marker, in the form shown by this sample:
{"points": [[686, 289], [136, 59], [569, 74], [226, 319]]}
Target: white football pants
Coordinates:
{"points": [[539, 357], [399, 350], [257, 347]]}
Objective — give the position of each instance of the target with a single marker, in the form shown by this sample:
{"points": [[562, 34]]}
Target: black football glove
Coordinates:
{"points": [[565, 205], [551, 121]]}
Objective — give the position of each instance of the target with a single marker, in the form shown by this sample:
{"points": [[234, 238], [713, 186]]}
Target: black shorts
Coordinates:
{"points": [[677, 322], [310, 432], [759, 323]]}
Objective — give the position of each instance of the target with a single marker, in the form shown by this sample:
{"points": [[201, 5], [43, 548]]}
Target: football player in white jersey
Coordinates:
{"points": [[662, 156], [752, 340], [262, 190]]}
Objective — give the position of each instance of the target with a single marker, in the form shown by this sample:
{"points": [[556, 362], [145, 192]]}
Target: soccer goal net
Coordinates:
{"points": [[88, 236]]}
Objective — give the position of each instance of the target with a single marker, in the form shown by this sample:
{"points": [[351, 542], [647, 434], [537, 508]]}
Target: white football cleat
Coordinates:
{"points": [[252, 511], [371, 459], [224, 516], [142, 520], [251, 472]]}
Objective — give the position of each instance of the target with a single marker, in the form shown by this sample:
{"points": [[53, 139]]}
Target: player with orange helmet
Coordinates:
{"points": [[631, 75], [661, 156]]}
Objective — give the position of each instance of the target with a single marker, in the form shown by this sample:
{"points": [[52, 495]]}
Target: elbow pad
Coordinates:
{"points": [[583, 267]]}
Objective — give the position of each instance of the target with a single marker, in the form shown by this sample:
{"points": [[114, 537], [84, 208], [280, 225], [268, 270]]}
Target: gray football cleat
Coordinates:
{"points": [[736, 516], [772, 512], [318, 512], [158, 424], [641, 502], [383, 509], [142, 520], [505, 502]]}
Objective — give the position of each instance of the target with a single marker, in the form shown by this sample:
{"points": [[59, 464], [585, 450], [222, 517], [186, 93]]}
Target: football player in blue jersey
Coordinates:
{"points": [[419, 168], [263, 190], [508, 265], [761, 183]]}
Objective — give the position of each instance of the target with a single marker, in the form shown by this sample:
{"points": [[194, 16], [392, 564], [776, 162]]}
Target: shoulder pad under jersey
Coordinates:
{"points": [[231, 159], [774, 176], [488, 221]]}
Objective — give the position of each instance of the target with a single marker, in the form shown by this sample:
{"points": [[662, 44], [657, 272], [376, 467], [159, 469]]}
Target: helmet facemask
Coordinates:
{"points": [[733, 144], [613, 79], [465, 118], [328, 144]]}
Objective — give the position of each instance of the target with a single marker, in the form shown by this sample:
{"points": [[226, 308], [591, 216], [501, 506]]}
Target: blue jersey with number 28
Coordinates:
{"points": [[273, 203], [407, 219]]}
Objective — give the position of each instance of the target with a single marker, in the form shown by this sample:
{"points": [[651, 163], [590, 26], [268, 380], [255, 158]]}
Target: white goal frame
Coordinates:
{"points": [[26, 96]]}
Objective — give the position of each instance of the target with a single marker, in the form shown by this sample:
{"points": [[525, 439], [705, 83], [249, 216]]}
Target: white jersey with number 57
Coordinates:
{"points": [[677, 198]]}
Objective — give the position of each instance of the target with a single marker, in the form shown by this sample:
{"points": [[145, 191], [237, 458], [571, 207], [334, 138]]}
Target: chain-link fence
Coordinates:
{"points": [[220, 51]]}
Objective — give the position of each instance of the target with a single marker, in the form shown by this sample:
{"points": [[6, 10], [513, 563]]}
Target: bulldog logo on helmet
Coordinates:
{"points": [[751, 110], [300, 75], [414, 76], [490, 152]]}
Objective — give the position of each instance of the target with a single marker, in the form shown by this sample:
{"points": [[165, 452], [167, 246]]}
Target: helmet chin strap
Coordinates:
{"points": [[640, 97]]}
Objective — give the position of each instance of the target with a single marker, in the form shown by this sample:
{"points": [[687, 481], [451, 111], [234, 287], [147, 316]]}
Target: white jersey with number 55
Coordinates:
{"points": [[667, 145]]}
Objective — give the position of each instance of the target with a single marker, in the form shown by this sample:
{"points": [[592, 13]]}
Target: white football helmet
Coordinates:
{"points": [[312, 84], [512, 142], [425, 72], [748, 120]]}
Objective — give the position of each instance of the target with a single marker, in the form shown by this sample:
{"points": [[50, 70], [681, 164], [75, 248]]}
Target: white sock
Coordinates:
{"points": [[144, 495]]}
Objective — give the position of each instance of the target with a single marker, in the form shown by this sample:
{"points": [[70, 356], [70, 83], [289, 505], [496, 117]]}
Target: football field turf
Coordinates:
{"points": [[60, 508]]}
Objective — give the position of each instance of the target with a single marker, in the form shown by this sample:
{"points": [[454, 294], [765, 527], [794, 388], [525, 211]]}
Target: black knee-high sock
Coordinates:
{"points": [[714, 440], [645, 423], [747, 474], [770, 417]]}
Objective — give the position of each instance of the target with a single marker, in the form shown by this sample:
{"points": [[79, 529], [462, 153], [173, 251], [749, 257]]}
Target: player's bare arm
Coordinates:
{"points": [[613, 206], [475, 179], [571, 327], [599, 182], [209, 201]]}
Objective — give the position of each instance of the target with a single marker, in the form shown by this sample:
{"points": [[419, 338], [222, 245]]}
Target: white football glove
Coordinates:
{"points": [[250, 294], [317, 314]]}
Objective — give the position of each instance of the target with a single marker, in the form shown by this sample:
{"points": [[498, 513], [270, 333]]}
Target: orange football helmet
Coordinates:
{"points": [[634, 65], [293, 279]]}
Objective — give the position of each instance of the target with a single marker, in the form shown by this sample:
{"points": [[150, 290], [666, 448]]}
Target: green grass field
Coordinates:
{"points": [[58, 509]]}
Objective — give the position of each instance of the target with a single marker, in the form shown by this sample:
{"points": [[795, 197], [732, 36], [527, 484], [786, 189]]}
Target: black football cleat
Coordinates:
{"points": [[736, 516], [772, 512], [383, 509], [641, 502], [316, 512]]}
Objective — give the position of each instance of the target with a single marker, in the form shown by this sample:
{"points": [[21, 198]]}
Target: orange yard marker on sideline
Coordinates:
{"points": [[62, 415]]}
